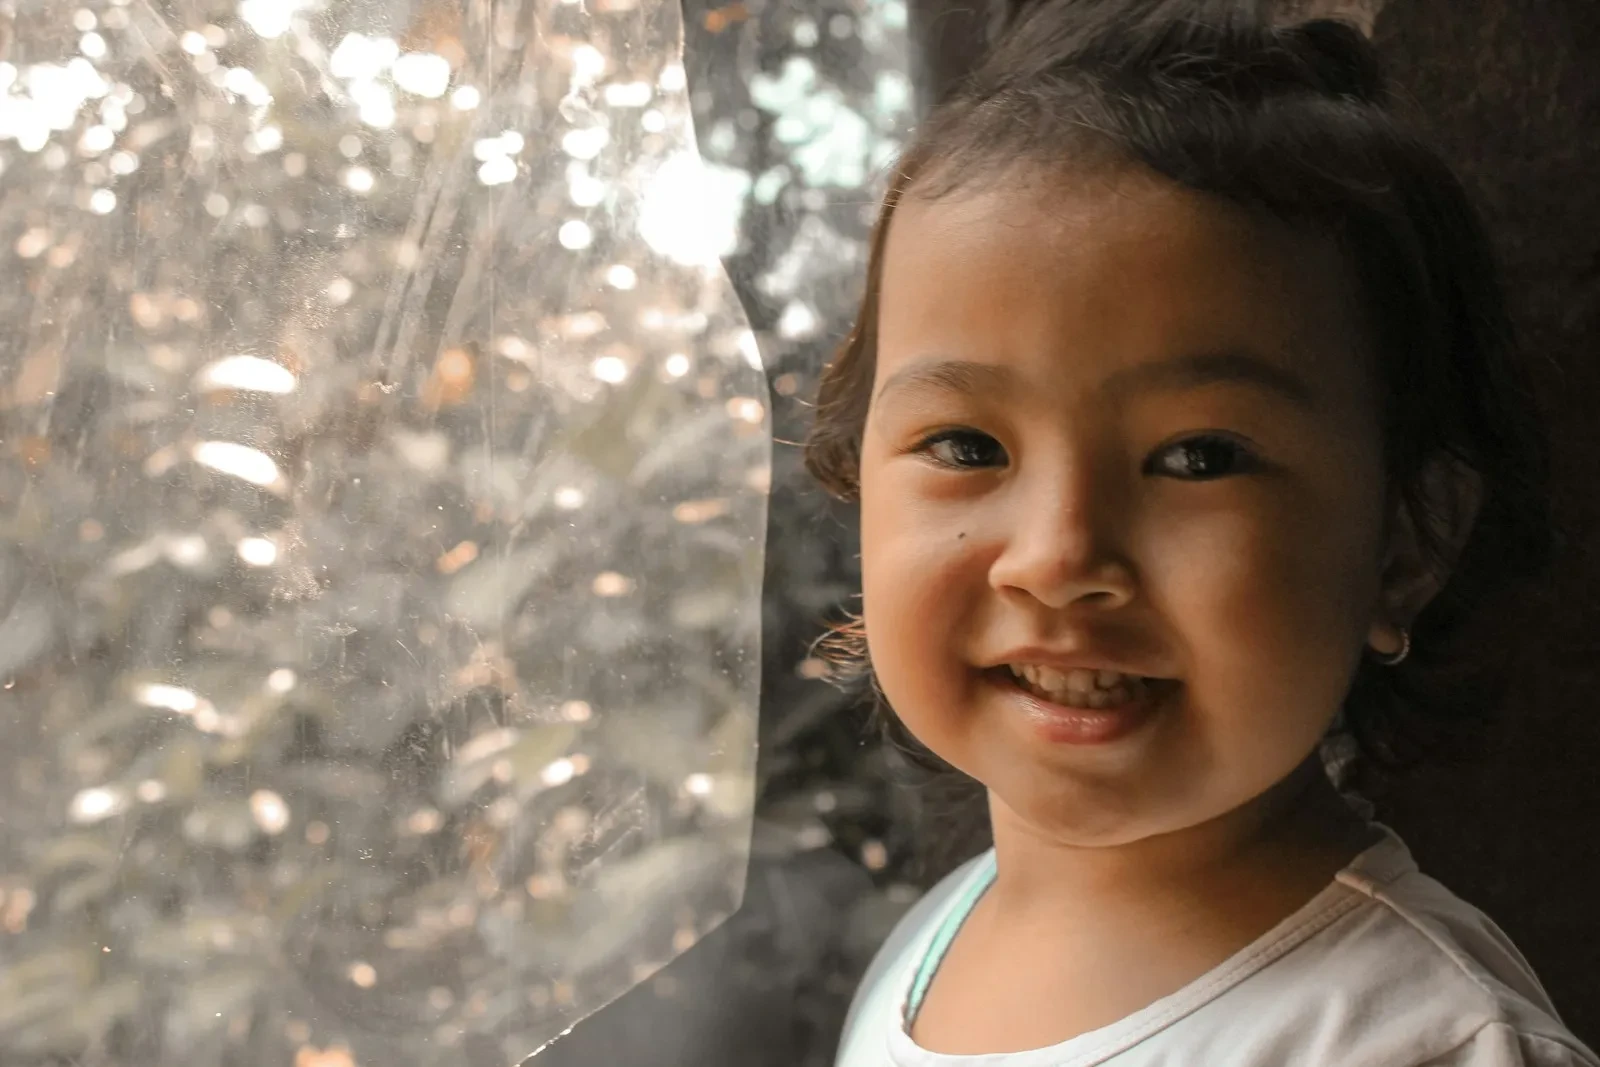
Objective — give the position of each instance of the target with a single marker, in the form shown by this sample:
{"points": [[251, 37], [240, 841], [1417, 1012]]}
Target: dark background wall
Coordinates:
{"points": [[1514, 94]]}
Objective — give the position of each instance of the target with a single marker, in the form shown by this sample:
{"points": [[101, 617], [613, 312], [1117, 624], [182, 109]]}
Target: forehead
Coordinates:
{"points": [[1085, 275]]}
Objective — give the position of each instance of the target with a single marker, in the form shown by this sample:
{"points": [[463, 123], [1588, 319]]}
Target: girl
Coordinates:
{"points": [[1186, 432]]}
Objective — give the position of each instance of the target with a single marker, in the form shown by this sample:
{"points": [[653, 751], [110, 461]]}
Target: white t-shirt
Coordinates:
{"points": [[1383, 968]]}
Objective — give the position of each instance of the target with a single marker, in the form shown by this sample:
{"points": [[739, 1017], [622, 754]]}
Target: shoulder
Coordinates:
{"points": [[875, 1005], [1500, 1044], [1435, 938], [1410, 974]]}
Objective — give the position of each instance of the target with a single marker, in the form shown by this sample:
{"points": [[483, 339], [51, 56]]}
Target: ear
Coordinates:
{"points": [[1418, 563]]}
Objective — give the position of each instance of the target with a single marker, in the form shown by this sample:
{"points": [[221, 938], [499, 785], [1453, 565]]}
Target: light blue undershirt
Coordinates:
{"points": [[946, 933]]}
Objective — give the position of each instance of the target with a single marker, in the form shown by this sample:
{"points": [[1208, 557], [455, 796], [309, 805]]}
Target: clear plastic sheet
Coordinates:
{"points": [[383, 473]]}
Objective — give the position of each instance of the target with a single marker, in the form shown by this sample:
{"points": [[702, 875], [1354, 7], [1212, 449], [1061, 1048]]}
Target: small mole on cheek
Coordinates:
{"points": [[961, 536]]}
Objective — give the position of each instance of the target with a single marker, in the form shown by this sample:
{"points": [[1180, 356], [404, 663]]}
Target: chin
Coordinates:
{"points": [[1095, 813], [1113, 833]]}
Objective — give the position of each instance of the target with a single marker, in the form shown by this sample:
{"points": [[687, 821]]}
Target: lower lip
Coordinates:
{"points": [[1061, 724]]}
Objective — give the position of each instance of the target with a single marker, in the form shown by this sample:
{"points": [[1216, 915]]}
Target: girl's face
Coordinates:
{"points": [[1115, 424]]}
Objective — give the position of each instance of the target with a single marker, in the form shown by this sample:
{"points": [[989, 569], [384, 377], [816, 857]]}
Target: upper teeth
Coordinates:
{"points": [[1078, 680]]}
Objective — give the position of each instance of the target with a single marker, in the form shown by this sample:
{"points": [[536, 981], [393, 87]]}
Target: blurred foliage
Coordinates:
{"points": [[383, 467]]}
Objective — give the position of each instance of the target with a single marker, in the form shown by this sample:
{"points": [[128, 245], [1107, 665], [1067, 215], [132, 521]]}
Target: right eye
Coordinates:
{"points": [[964, 449]]}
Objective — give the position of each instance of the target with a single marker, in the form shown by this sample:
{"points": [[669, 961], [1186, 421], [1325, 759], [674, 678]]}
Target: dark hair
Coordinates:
{"points": [[1294, 121]]}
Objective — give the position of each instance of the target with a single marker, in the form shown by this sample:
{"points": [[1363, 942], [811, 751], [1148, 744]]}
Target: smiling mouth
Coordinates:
{"points": [[1073, 712], [1080, 688]]}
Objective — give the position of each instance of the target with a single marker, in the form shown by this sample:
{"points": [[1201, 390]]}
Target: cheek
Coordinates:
{"points": [[1274, 611], [1264, 583], [919, 580]]}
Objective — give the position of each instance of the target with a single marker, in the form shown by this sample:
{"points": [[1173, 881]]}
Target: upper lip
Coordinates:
{"points": [[1082, 660]]}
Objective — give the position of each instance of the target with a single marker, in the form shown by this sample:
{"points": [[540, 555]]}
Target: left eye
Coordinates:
{"points": [[1203, 458], [964, 450]]}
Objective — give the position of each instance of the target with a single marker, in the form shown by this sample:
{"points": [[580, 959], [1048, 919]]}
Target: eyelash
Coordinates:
{"points": [[1244, 458]]}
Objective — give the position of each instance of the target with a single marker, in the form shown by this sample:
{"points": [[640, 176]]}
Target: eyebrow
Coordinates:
{"points": [[962, 376], [970, 378]]}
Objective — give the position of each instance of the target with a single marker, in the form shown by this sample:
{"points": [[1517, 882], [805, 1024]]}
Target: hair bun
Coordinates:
{"points": [[1341, 58]]}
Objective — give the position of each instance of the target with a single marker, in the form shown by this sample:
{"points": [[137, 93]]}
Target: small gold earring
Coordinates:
{"points": [[1397, 658]]}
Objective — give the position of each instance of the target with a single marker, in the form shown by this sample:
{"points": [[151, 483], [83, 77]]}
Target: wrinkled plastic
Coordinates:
{"points": [[383, 476]]}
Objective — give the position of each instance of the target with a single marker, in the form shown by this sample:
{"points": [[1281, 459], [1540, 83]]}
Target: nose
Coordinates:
{"points": [[1062, 546]]}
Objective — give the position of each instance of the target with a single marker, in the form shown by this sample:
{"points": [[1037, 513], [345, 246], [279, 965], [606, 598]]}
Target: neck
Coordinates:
{"points": [[1268, 855]]}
